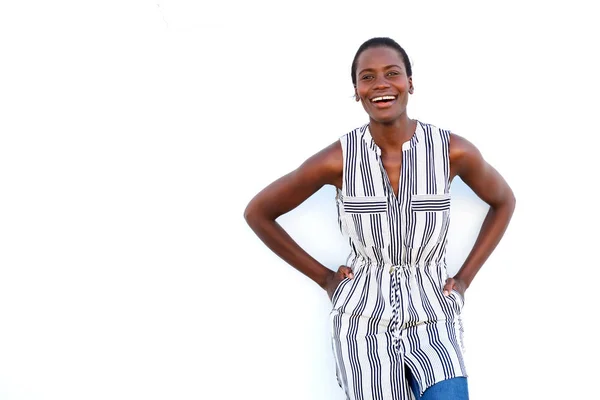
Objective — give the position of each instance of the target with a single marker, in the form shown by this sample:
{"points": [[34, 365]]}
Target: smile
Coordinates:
{"points": [[383, 101]]}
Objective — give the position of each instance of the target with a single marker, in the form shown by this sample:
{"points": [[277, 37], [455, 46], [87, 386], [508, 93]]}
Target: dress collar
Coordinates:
{"points": [[409, 144]]}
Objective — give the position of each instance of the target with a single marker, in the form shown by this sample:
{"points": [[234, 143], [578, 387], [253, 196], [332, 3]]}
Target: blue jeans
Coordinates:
{"points": [[449, 389]]}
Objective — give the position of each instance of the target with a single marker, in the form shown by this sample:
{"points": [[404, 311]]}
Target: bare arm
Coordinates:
{"points": [[285, 194], [466, 161]]}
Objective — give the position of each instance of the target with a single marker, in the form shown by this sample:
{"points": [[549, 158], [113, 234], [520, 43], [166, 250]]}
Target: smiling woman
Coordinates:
{"points": [[396, 314], [396, 71]]}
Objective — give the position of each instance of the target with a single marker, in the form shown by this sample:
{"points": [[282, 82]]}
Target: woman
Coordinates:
{"points": [[395, 321]]}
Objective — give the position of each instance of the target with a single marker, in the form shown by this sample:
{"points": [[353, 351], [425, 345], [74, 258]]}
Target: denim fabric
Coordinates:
{"points": [[449, 389]]}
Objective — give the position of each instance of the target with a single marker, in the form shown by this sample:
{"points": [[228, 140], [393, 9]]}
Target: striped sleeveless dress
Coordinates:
{"points": [[393, 315]]}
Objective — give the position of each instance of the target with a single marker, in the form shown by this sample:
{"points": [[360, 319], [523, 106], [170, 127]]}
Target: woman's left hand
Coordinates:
{"points": [[456, 284]]}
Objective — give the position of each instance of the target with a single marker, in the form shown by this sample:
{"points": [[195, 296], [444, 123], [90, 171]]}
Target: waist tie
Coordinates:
{"points": [[396, 298], [396, 303]]}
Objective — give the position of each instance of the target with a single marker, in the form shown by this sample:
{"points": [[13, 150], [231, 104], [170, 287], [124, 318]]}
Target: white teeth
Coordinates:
{"points": [[382, 98]]}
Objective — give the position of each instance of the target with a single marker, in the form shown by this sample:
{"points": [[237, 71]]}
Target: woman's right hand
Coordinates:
{"points": [[334, 279]]}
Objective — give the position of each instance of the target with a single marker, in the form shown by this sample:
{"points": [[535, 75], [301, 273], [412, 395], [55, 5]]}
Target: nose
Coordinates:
{"points": [[381, 82]]}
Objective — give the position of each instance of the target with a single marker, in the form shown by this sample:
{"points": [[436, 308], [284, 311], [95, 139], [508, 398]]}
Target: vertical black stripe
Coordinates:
{"points": [[366, 170]]}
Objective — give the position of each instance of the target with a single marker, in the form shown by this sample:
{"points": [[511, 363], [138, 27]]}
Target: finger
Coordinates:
{"points": [[448, 286], [346, 271]]}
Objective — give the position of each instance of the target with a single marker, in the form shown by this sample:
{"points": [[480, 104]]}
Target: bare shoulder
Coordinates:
{"points": [[287, 192], [467, 162], [463, 154], [461, 147], [329, 158]]}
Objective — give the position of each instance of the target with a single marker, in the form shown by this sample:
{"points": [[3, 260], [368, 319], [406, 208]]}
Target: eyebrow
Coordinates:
{"points": [[386, 67]]}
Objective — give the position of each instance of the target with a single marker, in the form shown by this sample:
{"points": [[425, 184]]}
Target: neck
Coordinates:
{"points": [[393, 134]]}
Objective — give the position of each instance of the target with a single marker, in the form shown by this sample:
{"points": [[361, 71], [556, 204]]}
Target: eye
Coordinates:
{"points": [[393, 73], [366, 77]]}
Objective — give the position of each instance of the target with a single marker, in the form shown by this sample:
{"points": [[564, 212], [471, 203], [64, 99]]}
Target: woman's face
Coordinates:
{"points": [[381, 84]]}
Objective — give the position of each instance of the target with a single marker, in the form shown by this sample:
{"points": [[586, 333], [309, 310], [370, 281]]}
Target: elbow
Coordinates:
{"points": [[258, 213], [506, 203], [253, 214], [250, 214], [512, 201]]}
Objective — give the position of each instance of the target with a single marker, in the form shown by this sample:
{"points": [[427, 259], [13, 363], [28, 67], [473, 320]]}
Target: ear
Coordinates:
{"points": [[411, 88], [356, 96]]}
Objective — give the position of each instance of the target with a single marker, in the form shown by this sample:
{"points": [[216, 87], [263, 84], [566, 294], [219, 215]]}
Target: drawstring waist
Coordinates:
{"points": [[415, 265], [357, 262], [396, 298], [398, 273], [395, 303], [360, 264]]}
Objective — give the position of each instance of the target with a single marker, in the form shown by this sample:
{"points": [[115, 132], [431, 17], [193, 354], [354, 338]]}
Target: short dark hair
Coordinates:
{"points": [[380, 42]]}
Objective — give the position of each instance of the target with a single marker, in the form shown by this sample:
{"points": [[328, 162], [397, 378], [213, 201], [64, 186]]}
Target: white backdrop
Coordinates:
{"points": [[134, 133]]}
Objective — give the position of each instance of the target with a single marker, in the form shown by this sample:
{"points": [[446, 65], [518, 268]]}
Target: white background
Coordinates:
{"points": [[134, 133]]}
